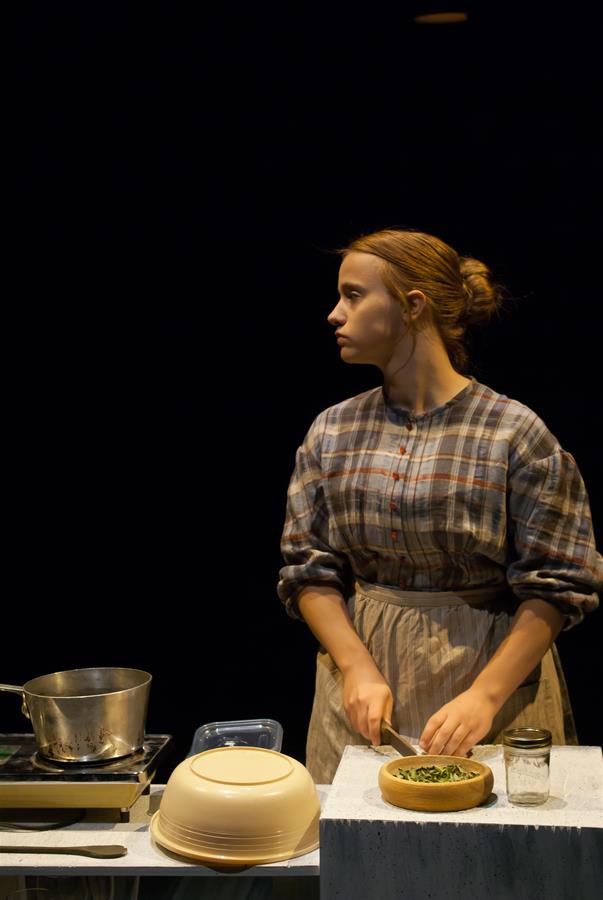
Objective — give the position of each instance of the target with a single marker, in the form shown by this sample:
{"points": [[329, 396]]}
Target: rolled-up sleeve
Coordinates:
{"points": [[552, 547], [305, 539]]}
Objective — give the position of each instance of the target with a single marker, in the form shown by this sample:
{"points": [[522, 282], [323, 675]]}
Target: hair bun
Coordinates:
{"points": [[483, 296]]}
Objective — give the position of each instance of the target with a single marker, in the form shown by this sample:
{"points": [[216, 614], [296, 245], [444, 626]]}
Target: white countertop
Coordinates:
{"points": [[144, 856], [575, 801]]}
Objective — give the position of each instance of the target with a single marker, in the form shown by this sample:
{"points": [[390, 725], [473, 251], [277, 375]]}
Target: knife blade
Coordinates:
{"points": [[389, 736]]}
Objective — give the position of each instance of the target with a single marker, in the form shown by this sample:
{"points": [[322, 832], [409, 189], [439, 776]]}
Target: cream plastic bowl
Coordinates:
{"points": [[238, 806]]}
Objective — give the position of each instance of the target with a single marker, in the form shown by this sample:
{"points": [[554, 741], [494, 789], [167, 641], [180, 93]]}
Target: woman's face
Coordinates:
{"points": [[369, 322]]}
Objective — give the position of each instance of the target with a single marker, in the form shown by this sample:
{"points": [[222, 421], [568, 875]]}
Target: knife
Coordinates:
{"points": [[389, 736]]}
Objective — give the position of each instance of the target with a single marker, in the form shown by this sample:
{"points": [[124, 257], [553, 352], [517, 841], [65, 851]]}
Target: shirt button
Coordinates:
{"points": [[393, 505], [402, 449], [395, 476], [409, 426], [394, 535]]}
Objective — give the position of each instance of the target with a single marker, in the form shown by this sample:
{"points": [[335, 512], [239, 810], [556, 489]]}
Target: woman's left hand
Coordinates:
{"points": [[458, 725]]}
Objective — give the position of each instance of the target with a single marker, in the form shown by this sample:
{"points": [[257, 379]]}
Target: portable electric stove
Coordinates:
{"points": [[29, 781]]}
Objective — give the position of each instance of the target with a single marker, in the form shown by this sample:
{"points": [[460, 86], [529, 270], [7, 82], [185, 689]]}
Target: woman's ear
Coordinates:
{"points": [[417, 302]]}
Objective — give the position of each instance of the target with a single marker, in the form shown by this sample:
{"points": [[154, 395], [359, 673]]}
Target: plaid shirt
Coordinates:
{"points": [[472, 493]]}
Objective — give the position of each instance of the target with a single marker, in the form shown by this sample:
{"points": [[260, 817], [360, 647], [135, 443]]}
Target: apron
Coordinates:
{"points": [[430, 646]]}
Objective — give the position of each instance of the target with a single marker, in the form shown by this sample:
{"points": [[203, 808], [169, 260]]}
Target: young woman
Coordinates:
{"points": [[437, 536]]}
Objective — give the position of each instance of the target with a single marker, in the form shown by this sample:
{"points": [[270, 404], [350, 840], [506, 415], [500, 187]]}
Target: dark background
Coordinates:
{"points": [[176, 180]]}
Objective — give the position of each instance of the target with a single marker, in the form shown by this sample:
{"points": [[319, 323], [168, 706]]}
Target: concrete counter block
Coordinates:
{"points": [[370, 848]]}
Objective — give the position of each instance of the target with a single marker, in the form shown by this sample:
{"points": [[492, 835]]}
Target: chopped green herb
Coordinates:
{"points": [[436, 774]]}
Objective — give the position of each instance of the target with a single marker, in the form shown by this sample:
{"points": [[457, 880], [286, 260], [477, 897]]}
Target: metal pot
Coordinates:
{"points": [[84, 715]]}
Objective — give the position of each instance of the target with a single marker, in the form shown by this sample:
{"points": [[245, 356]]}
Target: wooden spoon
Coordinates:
{"points": [[96, 851]]}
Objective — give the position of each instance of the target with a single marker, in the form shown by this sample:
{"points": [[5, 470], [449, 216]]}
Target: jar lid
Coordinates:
{"points": [[527, 737]]}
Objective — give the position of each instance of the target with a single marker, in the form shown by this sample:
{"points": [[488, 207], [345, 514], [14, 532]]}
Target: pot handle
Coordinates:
{"points": [[15, 689]]}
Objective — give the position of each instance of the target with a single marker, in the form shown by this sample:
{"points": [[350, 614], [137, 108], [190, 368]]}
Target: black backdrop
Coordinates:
{"points": [[176, 179]]}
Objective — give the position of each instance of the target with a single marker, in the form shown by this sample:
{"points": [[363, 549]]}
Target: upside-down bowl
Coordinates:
{"points": [[238, 806]]}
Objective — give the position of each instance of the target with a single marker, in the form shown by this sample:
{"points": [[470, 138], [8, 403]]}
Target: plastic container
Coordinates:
{"points": [[527, 760], [264, 733]]}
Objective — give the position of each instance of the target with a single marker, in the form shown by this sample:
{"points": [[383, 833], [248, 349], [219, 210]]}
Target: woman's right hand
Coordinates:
{"points": [[367, 699], [366, 695]]}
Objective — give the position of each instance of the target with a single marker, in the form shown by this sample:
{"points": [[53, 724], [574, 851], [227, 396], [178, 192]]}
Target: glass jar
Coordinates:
{"points": [[527, 754]]}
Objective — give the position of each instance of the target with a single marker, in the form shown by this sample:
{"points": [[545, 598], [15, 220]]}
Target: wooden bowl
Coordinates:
{"points": [[425, 797]]}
